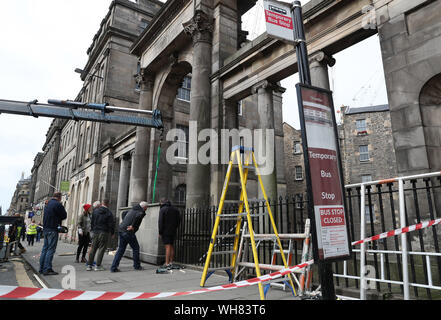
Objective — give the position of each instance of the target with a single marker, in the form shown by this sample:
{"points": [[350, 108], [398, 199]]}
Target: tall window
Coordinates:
{"points": [[182, 151], [297, 147], [364, 153], [185, 89], [240, 108], [299, 173], [361, 126], [180, 194]]}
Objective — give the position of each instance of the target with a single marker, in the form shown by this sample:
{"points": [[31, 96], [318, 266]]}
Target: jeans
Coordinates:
{"points": [[127, 238], [48, 251]]}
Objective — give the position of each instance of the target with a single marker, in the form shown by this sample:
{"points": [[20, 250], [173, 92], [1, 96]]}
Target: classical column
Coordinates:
{"points": [[139, 173], [200, 28], [123, 185], [265, 149], [318, 65]]}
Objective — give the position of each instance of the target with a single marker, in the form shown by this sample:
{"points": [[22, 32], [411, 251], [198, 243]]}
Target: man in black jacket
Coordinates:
{"points": [[54, 214], [169, 218], [102, 226], [127, 229]]}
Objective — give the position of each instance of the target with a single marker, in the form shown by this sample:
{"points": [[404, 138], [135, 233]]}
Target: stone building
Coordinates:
{"points": [[44, 170], [20, 202], [108, 78], [294, 162], [366, 144]]}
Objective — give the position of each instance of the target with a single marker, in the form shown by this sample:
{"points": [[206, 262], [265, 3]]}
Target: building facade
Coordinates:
{"points": [[366, 144], [20, 202], [294, 162]]}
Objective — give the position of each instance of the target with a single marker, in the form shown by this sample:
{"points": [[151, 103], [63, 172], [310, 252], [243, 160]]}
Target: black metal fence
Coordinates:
{"points": [[423, 201]]}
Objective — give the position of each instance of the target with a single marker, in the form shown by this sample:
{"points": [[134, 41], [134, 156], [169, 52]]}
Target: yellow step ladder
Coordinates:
{"points": [[249, 163]]}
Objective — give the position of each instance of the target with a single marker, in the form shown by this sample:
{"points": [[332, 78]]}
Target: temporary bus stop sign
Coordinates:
{"points": [[319, 131], [279, 20]]}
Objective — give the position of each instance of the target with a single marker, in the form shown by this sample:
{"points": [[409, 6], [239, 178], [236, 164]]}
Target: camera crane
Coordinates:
{"points": [[73, 110]]}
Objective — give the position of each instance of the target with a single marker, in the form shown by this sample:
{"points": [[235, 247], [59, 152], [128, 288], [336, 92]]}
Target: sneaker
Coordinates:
{"points": [[89, 268], [50, 273], [98, 268]]}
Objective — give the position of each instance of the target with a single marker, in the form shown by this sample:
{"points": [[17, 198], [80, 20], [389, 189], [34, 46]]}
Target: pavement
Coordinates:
{"points": [[75, 277]]}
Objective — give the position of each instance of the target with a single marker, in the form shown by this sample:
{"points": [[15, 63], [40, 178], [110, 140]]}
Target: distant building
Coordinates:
{"points": [[20, 202], [366, 144], [294, 162]]}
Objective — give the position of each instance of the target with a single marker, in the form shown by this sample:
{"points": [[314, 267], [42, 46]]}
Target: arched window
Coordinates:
{"points": [[180, 194], [430, 107]]}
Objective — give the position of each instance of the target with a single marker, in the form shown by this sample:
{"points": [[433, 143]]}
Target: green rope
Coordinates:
{"points": [[157, 166]]}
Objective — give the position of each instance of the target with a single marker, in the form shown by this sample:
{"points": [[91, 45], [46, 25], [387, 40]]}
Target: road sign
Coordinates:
{"points": [[279, 20], [318, 123], [64, 186]]}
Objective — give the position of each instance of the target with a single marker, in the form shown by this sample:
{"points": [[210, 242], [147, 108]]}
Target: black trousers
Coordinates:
{"points": [[31, 238], [83, 244]]}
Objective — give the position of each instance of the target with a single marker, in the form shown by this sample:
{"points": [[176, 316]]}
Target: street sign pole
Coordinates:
{"points": [[325, 268]]}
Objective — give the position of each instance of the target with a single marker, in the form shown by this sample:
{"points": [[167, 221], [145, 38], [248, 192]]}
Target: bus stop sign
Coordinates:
{"points": [[279, 20]]}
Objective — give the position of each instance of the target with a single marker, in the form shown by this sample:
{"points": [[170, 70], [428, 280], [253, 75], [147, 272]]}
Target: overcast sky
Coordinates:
{"points": [[43, 41]]}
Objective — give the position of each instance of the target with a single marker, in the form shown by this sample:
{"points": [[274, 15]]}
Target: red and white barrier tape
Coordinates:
{"points": [[11, 292], [14, 292], [397, 232]]}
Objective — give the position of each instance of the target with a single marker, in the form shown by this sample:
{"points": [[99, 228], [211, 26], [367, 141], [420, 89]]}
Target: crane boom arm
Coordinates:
{"points": [[61, 111]]}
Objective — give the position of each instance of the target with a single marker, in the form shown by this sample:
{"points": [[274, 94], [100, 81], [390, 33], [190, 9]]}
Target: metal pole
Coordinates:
{"points": [[404, 252], [363, 245], [324, 268]]}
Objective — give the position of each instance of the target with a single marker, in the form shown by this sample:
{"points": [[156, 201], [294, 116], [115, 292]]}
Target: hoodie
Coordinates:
{"points": [[102, 220], [169, 219]]}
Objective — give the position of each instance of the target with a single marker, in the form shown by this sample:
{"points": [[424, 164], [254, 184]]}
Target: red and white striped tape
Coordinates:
{"points": [[12, 292], [399, 231]]}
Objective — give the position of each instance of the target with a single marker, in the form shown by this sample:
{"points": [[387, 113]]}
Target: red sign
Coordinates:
{"points": [[332, 216], [325, 178], [279, 20]]}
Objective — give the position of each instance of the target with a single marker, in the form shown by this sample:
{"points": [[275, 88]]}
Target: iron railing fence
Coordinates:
{"points": [[382, 260]]}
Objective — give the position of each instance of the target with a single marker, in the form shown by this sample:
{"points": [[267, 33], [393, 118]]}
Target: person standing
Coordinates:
{"points": [[102, 226], [127, 229], [169, 219], [39, 231], [54, 214], [22, 231], [84, 225], [15, 231], [31, 232]]}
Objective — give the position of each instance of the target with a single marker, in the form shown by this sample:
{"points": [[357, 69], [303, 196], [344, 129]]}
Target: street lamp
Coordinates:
{"points": [[81, 72]]}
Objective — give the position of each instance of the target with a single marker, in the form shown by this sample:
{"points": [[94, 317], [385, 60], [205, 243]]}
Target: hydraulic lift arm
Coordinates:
{"points": [[76, 111]]}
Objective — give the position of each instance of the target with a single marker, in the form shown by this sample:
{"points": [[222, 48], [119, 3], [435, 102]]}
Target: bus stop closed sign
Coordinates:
{"points": [[279, 20]]}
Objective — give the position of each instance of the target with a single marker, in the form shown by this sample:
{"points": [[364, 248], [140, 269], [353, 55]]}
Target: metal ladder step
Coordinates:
{"points": [[223, 252], [264, 266], [226, 236], [226, 216], [282, 236]]}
